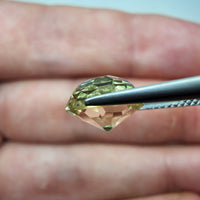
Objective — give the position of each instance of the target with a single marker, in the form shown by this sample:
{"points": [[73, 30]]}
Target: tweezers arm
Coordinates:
{"points": [[171, 104], [188, 88]]}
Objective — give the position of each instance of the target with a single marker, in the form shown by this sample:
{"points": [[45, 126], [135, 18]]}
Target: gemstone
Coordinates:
{"points": [[104, 117]]}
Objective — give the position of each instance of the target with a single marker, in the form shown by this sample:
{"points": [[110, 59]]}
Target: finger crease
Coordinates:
{"points": [[171, 184]]}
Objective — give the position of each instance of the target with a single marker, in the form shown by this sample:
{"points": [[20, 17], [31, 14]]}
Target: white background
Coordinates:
{"points": [[185, 9]]}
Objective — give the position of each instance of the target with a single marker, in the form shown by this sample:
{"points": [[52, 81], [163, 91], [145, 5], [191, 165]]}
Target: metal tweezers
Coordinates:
{"points": [[170, 94]]}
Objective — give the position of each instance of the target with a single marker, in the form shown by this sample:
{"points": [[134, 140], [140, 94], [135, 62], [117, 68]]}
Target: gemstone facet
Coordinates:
{"points": [[104, 117]]}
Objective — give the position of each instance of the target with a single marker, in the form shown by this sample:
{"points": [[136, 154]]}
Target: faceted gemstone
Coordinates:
{"points": [[104, 117]]}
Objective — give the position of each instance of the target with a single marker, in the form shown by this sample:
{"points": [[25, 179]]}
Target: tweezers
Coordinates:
{"points": [[170, 94]]}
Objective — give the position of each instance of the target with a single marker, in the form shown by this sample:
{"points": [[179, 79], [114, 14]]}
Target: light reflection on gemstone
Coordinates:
{"points": [[104, 117]]}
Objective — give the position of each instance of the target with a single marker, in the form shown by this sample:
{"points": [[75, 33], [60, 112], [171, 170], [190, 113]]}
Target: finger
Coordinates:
{"points": [[76, 172], [173, 196], [34, 111], [42, 41]]}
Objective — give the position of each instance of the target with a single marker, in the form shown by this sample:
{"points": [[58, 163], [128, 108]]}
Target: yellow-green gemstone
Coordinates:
{"points": [[104, 117]]}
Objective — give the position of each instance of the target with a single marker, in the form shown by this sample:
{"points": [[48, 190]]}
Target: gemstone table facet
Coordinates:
{"points": [[104, 117]]}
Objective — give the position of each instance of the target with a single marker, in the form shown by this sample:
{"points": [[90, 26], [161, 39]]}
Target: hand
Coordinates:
{"points": [[46, 154]]}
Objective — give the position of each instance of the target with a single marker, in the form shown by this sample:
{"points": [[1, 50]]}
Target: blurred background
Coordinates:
{"points": [[184, 9]]}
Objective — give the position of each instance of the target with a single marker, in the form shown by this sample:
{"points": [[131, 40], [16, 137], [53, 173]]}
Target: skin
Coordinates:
{"points": [[47, 154]]}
